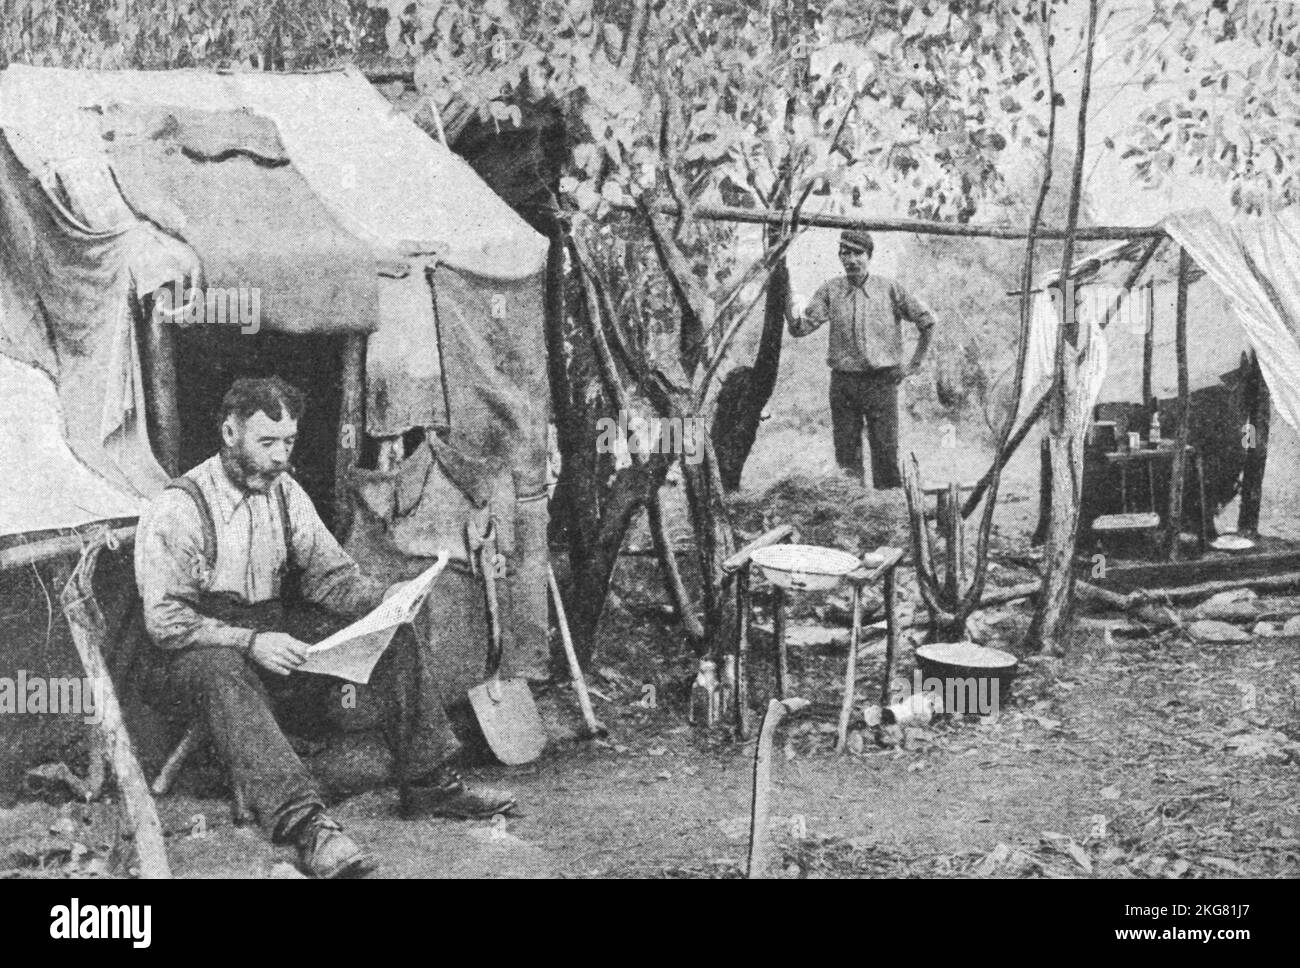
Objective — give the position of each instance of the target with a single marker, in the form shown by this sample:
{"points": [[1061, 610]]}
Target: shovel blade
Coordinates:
{"points": [[509, 719]]}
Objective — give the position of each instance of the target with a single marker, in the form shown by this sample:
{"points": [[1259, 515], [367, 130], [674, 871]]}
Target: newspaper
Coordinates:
{"points": [[352, 653]]}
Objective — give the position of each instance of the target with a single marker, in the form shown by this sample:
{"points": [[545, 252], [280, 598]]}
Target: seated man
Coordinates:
{"points": [[230, 560]]}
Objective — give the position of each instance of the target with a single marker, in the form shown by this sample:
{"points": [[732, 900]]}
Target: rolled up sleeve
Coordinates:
{"points": [[912, 309], [330, 577], [169, 569]]}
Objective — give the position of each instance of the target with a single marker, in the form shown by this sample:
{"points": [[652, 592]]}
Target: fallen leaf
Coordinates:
{"points": [[1110, 793], [1223, 864], [1080, 856]]}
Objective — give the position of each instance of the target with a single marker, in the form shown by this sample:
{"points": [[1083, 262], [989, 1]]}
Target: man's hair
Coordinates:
{"points": [[269, 394], [859, 240]]}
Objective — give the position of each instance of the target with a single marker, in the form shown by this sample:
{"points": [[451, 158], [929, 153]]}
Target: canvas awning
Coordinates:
{"points": [[1253, 264]]}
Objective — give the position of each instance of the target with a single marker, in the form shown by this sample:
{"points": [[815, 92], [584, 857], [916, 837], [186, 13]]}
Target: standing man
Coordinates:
{"points": [[866, 356], [235, 569]]}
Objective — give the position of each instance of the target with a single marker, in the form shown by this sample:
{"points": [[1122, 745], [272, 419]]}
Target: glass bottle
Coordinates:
{"points": [[704, 694]]}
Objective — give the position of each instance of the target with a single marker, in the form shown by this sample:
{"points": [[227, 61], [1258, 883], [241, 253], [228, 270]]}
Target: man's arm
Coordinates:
{"points": [[912, 309], [169, 566], [330, 577], [804, 320]]}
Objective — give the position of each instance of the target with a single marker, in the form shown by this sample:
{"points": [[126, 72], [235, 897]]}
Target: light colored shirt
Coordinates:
{"points": [[171, 569], [866, 322]]}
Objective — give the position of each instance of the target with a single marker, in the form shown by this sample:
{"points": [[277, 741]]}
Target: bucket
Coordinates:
{"points": [[955, 664]]}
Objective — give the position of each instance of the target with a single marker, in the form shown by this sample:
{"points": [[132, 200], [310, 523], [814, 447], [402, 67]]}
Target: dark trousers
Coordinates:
{"points": [[872, 399], [239, 702]]}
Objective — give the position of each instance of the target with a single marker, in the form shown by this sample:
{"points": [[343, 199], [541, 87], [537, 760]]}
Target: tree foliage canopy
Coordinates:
{"points": [[1234, 110], [919, 98]]}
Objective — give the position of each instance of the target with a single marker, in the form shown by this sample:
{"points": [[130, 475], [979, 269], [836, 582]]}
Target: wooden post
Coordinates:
{"points": [[891, 631], [951, 520], [1259, 408], [1205, 511], [86, 623], [778, 633], [850, 673], [1178, 470], [158, 369], [1148, 350], [352, 425], [740, 688], [760, 800]]}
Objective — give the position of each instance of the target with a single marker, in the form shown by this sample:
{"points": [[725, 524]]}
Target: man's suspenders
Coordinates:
{"points": [[191, 487]]}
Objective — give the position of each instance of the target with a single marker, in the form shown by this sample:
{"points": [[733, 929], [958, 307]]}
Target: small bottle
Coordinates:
{"points": [[727, 689], [1155, 430], [704, 694]]}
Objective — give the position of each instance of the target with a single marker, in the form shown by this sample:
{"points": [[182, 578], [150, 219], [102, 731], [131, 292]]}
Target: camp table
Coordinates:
{"points": [[1148, 457], [882, 569]]}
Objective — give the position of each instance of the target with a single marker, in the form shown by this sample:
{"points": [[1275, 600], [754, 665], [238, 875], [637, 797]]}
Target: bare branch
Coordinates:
{"points": [[976, 589]]}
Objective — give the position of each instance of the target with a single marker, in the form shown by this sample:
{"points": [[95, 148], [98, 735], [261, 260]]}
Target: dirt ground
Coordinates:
{"points": [[1156, 756]]}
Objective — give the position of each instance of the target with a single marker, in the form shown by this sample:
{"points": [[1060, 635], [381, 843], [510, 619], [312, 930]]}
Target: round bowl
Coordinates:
{"points": [[804, 568], [1232, 542], [955, 664]]}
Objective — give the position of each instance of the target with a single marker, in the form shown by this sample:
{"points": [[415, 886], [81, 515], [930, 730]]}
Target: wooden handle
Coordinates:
{"points": [[575, 670]]}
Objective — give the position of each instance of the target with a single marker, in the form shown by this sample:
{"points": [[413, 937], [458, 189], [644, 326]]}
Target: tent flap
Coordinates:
{"points": [[1256, 264]]}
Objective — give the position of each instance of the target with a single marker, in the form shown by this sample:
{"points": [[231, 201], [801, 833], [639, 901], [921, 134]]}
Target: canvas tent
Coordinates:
{"points": [[1243, 305], [390, 282]]}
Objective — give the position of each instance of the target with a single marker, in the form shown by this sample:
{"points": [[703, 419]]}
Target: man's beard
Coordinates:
{"points": [[252, 476]]}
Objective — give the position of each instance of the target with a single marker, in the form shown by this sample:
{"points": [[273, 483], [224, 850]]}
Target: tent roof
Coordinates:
{"points": [[386, 183]]}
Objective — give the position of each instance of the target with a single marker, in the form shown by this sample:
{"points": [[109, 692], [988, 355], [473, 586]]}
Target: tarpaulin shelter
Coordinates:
{"points": [[1240, 327], [163, 232]]}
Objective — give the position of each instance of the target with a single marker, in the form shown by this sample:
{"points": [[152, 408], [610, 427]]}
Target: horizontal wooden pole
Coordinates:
{"points": [[763, 216], [66, 544]]}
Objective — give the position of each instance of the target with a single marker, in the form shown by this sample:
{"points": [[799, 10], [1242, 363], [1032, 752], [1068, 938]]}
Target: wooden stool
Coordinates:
{"points": [[195, 734]]}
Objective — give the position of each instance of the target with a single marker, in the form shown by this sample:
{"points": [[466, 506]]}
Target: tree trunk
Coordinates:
{"points": [[632, 487], [714, 545], [1053, 618], [580, 503], [1054, 615], [746, 390]]}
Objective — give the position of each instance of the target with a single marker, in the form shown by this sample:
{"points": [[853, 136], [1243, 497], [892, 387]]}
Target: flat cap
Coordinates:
{"points": [[858, 240]]}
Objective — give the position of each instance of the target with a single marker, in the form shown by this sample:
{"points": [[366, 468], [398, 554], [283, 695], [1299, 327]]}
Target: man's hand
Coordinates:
{"points": [[277, 652]]}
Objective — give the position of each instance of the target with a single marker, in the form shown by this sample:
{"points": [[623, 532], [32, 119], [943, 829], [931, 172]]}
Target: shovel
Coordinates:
{"points": [[504, 707]]}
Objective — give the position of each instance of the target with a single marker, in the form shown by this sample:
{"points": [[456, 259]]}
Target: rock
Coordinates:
{"points": [[1209, 630], [1267, 630], [815, 637], [1236, 595], [285, 871], [1292, 626], [1240, 605]]}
